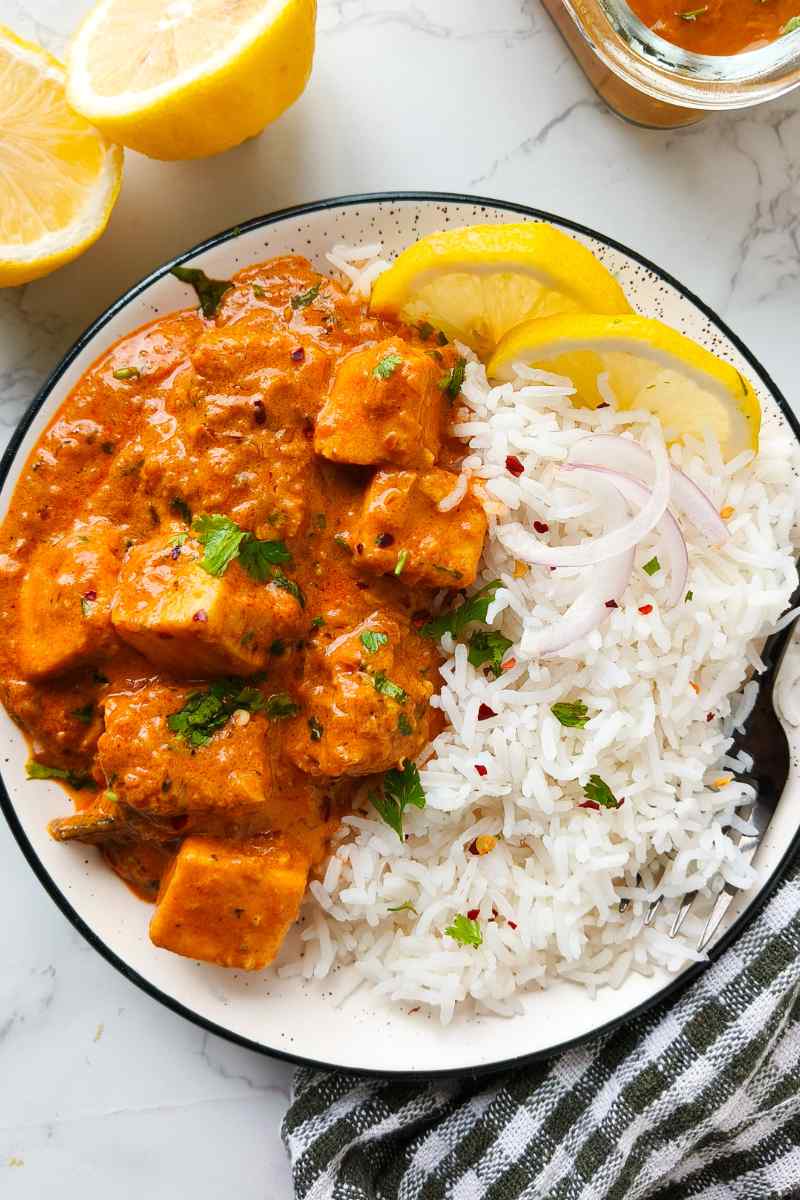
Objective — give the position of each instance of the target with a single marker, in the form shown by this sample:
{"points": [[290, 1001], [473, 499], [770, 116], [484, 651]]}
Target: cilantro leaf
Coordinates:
{"points": [[599, 791], [465, 931], [691, 14], [126, 373], [221, 539], [573, 714], [206, 712], [75, 779], [258, 557], [651, 566], [387, 688], [488, 646], [372, 640], [282, 581], [404, 726], [791, 26], [387, 366], [279, 706], [303, 299], [400, 788], [452, 381], [474, 608], [209, 291]]}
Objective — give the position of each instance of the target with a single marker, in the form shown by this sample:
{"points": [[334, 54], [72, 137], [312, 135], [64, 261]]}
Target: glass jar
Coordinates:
{"points": [[650, 82]]}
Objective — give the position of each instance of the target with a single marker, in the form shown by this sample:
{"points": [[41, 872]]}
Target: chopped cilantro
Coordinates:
{"points": [[303, 299], [209, 291], [599, 791], [465, 931], [279, 706], [402, 559], [258, 557], [488, 646], [689, 596], [474, 608], [75, 779], [387, 366], [206, 712], [691, 14], [404, 726], [258, 291], [406, 906], [372, 640], [791, 26], [387, 688], [451, 382], [318, 622], [126, 373], [651, 566], [282, 581], [315, 730], [223, 541], [400, 788], [573, 714]]}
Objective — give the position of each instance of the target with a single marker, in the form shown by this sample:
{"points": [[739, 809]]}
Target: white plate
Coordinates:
{"points": [[291, 1018]]}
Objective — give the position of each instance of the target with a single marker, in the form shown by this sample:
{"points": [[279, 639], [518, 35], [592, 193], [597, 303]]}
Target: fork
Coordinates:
{"points": [[764, 739]]}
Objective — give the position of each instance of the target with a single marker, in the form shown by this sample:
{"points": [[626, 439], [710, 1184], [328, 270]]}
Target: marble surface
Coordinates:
{"points": [[101, 1087]]}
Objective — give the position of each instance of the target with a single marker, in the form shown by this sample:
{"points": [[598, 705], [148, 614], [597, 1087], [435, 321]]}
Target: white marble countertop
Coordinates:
{"points": [[103, 1092]]}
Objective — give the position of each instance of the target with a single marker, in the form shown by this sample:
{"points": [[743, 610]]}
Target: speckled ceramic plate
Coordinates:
{"points": [[293, 1019]]}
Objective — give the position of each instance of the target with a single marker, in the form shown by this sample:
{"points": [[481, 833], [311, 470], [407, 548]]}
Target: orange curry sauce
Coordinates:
{"points": [[717, 26], [318, 437]]}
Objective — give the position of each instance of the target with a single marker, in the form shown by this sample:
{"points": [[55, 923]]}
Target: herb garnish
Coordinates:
{"points": [[447, 571], [315, 730], [223, 541], [406, 906], [573, 714], [282, 581], [279, 706], [465, 931], [474, 608], [689, 596], [599, 791], [402, 559], [488, 646], [452, 381], [387, 366], [691, 14], [372, 640], [425, 329], [75, 779], [791, 26], [318, 622], [404, 726], [400, 788], [209, 291], [303, 299], [652, 566], [387, 687], [126, 373], [206, 712]]}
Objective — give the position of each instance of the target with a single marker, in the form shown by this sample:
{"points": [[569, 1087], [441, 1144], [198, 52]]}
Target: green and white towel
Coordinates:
{"points": [[698, 1098]]}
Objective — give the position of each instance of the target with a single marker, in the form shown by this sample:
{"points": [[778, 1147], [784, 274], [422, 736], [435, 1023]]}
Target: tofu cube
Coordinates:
{"points": [[400, 523], [385, 406], [65, 600], [231, 902], [189, 622]]}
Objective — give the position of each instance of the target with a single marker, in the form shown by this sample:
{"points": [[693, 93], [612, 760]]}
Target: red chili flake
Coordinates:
{"points": [[260, 415], [200, 615], [481, 769], [589, 804], [473, 914], [419, 619], [514, 466], [511, 924], [91, 596], [298, 355], [541, 527], [360, 548], [484, 712], [308, 426], [411, 1011], [473, 847], [611, 604], [603, 405], [709, 716], [646, 609]]}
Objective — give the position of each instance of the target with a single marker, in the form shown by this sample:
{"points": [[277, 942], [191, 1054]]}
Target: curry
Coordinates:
{"points": [[720, 26], [213, 576]]}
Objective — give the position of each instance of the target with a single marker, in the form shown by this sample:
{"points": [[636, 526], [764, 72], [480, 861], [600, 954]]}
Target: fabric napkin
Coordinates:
{"points": [[698, 1098]]}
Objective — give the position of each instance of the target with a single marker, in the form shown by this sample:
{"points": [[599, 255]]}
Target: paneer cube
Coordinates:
{"points": [[231, 902], [401, 528], [367, 694], [192, 623], [385, 406], [65, 599]]}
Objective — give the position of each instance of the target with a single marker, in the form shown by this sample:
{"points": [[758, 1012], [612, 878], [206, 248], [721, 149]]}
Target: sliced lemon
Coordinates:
{"points": [[59, 177], [647, 366], [190, 77], [476, 283]]}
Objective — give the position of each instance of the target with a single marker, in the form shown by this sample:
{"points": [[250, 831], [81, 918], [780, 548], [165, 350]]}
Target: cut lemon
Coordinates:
{"points": [[647, 366], [59, 177], [476, 283], [190, 77]]}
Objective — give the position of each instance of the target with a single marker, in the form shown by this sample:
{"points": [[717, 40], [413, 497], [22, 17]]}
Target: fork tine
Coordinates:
{"points": [[624, 904], [682, 913], [721, 906], [655, 905]]}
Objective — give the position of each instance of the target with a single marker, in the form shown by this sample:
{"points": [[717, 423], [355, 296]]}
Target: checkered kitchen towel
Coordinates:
{"points": [[698, 1098]]}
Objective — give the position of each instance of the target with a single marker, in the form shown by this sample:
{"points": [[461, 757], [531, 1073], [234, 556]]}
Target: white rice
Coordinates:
{"points": [[548, 895]]}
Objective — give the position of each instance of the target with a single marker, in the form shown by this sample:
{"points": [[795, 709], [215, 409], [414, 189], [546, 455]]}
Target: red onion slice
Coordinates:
{"points": [[672, 542], [606, 582], [622, 454], [528, 548]]}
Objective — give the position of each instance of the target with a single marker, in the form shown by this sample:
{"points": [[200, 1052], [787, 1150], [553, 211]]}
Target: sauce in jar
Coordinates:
{"points": [[719, 26]]}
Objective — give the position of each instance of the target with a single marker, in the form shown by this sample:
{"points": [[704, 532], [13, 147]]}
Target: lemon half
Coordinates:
{"points": [[476, 283], [648, 366], [59, 177], [189, 78]]}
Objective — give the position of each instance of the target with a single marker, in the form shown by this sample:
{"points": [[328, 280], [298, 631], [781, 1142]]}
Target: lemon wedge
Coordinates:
{"points": [[476, 283], [59, 177], [189, 78], [647, 365]]}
